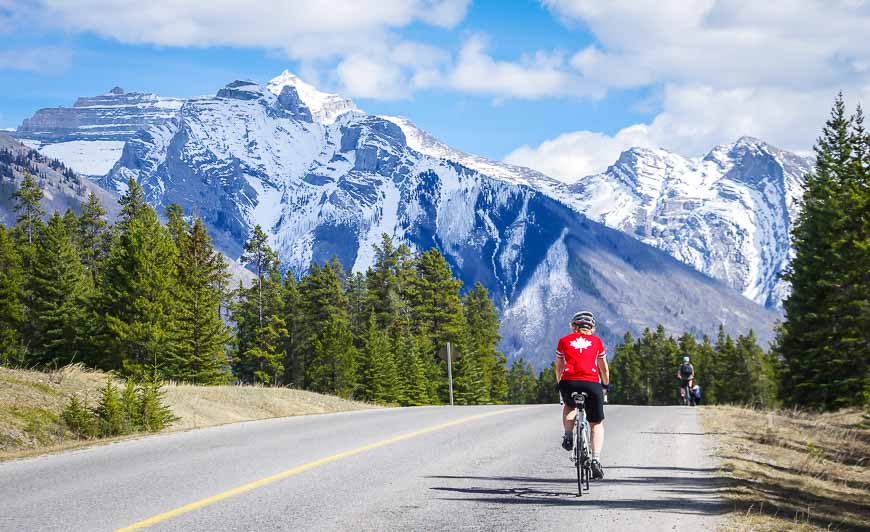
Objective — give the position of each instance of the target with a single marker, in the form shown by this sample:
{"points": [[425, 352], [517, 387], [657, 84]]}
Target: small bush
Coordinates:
{"points": [[154, 415], [79, 419], [136, 408], [110, 411]]}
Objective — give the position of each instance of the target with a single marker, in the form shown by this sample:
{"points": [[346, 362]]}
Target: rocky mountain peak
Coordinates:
{"points": [[325, 107], [117, 91]]}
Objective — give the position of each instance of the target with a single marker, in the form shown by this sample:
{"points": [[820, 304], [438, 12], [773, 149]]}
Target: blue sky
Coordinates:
{"points": [[559, 85]]}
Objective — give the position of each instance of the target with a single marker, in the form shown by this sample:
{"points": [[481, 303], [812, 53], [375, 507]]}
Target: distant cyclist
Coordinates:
{"points": [[686, 374], [581, 366]]}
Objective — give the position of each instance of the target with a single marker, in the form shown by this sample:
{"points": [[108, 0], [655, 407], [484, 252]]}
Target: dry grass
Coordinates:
{"points": [[31, 403], [790, 470]]}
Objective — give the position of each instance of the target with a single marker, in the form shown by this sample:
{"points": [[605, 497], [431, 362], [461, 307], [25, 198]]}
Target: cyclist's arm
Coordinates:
{"points": [[603, 368], [560, 365]]}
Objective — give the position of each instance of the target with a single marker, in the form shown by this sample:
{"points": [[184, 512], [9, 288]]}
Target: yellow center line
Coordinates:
{"points": [[302, 468]]}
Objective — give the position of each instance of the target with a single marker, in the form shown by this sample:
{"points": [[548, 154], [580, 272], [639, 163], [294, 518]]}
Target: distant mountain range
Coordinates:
{"points": [[324, 178]]}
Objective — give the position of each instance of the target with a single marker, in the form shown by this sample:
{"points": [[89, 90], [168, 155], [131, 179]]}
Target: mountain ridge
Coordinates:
{"points": [[332, 187]]}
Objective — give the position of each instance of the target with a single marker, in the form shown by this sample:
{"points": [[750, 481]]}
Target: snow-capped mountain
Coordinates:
{"points": [[89, 136], [330, 180], [728, 214], [324, 107]]}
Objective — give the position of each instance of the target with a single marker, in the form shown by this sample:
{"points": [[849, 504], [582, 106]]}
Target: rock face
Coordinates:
{"points": [[89, 136], [324, 183], [116, 115], [728, 214]]}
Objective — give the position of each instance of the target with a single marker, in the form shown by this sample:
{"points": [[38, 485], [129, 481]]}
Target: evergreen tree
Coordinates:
{"points": [[176, 224], [626, 374], [411, 371], [58, 290], [135, 297], [522, 384], [377, 373], [469, 387], [11, 305], [28, 205], [483, 336], [91, 236], [824, 341], [199, 334], [259, 313]]}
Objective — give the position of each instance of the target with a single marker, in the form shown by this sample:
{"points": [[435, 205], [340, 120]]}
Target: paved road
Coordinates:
{"points": [[437, 468]]}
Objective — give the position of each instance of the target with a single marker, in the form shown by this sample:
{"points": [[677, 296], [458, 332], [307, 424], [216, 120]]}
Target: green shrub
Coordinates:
{"points": [[79, 419], [154, 415], [110, 411]]}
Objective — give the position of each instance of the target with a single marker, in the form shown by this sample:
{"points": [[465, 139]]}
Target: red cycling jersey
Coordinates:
{"points": [[581, 353]]}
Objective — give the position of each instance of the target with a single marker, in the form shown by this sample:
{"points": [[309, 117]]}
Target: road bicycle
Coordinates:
{"points": [[581, 456]]}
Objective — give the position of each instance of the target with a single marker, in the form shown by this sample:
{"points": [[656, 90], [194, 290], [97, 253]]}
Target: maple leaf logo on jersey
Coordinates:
{"points": [[581, 343]]}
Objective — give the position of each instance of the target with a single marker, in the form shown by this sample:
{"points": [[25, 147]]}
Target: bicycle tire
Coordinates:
{"points": [[587, 461], [578, 457]]}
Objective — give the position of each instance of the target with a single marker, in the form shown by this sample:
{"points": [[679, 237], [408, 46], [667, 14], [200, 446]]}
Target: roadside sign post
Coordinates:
{"points": [[450, 373], [449, 355]]}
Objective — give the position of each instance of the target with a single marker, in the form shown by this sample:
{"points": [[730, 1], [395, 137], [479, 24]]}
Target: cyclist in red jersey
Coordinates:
{"points": [[581, 366]]}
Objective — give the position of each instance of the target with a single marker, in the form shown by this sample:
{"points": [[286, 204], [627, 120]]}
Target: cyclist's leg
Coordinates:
{"points": [[565, 390], [568, 417], [595, 415]]}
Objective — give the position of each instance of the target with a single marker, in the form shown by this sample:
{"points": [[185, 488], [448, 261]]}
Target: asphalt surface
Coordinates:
{"points": [[435, 468]]}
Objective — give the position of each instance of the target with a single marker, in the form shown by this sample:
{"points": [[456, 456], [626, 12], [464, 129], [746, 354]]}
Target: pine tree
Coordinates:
{"points": [[135, 297], [92, 237], [199, 334], [28, 199], [11, 305], [824, 341], [626, 374], [335, 372], [469, 387], [377, 373], [483, 336], [259, 313], [412, 372], [176, 224], [58, 290]]}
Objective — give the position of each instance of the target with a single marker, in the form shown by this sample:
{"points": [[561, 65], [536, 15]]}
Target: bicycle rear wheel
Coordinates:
{"points": [[578, 459]]}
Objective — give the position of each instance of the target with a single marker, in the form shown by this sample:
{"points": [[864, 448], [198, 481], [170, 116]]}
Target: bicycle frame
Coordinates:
{"points": [[581, 456]]}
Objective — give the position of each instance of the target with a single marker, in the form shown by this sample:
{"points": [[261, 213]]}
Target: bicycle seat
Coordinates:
{"points": [[579, 397]]}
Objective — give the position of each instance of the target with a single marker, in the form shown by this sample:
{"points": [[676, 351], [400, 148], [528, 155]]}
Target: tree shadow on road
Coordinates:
{"points": [[691, 494]]}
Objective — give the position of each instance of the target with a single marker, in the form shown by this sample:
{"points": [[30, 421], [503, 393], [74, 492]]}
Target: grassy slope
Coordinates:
{"points": [[31, 402], [792, 470]]}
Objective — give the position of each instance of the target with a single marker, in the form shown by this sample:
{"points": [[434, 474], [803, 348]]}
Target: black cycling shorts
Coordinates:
{"points": [[594, 401]]}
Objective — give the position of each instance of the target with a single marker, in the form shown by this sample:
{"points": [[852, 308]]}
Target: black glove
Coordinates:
{"points": [[606, 388], [557, 386]]}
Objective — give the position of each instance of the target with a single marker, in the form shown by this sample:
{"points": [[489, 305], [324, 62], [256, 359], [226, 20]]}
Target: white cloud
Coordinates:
{"points": [[365, 77], [305, 28], [352, 42], [721, 43], [580, 153], [727, 68], [44, 59], [534, 76]]}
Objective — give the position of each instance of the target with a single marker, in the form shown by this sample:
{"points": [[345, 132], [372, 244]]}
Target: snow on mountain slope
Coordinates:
{"points": [[89, 136], [322, 188], [727, 214], [426, 144], [325, 107]]}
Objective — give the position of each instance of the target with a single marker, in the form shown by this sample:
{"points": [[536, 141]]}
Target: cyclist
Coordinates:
{"points": [[686, 374], [581, 366]]}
